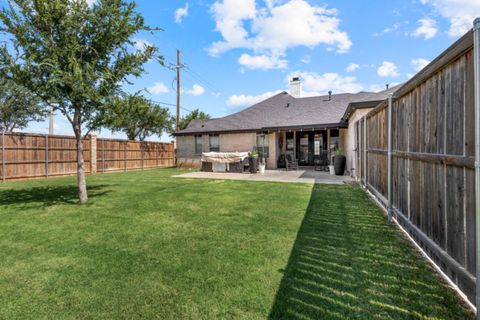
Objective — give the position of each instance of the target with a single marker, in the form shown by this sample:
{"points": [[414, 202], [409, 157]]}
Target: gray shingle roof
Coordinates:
{"points": [[284, 111]]}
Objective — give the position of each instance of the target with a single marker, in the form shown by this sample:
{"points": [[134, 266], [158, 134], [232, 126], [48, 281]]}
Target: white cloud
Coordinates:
{"points": [[460, 13], [306, 59], [158, 88], [427, 29], [196, 90], [394, 27], [388, 69], [242, 100], [263, 62], [181, 13], [352, 67], [140, 44], [276, 27], [420, 63], [229, 17], [317, 84]]}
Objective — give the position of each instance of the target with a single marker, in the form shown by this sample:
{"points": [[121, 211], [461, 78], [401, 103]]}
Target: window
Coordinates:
{"points": [[198, 144], [214, 143], [262, 146], [290, 141]]}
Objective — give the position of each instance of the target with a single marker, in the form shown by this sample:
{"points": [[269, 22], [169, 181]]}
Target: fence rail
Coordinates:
{"points": [[28, 156], [433, 155]]}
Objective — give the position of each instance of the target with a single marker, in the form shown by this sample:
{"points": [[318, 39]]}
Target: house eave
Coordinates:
{"points": [[308, 127], [359, 105], [268, 129]]}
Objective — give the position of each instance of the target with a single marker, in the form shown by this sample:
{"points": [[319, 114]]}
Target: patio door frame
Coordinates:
{"points": [[310, 146]]}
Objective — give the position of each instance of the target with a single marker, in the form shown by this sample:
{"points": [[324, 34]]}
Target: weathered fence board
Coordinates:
{"points": [[35, 155], [433, 160]]}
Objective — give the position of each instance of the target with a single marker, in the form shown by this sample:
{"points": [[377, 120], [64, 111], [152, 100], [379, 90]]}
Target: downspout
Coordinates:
{"points": [[476, 52], [390, 156]]}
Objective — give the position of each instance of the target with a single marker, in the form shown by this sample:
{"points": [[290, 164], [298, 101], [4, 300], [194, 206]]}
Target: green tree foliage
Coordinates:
{"points": [[77, 54], [137, 117], [194, 115], [18, 106]]}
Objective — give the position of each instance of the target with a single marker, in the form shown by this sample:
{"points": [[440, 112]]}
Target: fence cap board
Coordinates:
{"points": [[131, 141]]}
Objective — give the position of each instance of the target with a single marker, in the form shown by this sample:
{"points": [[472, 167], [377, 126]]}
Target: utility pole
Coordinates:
{"points": [[50, 127], [178, 89]]}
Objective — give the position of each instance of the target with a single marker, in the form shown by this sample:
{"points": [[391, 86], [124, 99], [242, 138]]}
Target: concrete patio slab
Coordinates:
{"points": [[300, 176]]}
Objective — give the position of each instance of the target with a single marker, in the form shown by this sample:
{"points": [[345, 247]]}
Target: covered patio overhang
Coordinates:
{"points": [[312, 145]]}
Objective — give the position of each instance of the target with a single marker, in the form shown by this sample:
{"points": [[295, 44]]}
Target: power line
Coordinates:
{"points": [[194, 76], [192, 79], [170, 104], [201, 79], [187, 57]]}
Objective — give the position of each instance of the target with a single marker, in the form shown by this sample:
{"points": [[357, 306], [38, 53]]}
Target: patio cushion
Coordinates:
{"points": [[224, 157]]}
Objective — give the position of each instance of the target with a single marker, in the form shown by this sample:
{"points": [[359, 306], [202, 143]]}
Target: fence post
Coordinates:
{"points": [[390, 156], [157, 153], [141, 151], [476, 51], [93, 154], [46, 156], [125, 156], [103, 156], [3, 154]]}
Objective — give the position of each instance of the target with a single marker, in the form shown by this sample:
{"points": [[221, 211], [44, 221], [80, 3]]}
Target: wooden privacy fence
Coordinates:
{"points": [[433, 154], [26, 155]]}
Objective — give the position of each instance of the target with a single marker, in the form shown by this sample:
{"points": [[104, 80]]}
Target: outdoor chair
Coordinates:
{"points": [[291, 163], [321, 160]]}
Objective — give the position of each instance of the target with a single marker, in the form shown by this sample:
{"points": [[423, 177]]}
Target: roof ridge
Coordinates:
{"points": [[254, 105]]}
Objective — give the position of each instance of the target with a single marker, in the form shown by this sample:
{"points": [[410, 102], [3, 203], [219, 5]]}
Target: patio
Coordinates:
{"points": [[299, 176]]}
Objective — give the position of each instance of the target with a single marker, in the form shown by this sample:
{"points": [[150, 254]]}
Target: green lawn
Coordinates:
{"points": [[151, 246]]}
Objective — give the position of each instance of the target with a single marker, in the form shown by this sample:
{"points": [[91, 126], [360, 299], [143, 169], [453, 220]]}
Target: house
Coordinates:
{"points": [[306, 128]]}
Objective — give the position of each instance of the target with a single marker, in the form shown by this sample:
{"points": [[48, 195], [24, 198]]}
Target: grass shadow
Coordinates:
{"points": [[46, 196], [348, 262]]}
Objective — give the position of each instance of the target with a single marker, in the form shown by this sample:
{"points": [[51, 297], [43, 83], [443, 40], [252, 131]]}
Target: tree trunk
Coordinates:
{"points": [[81, 183]]}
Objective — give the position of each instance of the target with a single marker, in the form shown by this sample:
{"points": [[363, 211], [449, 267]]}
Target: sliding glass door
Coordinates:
{"points": [[310, 146], [303, 149]]}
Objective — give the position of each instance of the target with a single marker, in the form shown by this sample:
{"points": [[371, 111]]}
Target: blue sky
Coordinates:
{"points": [[239, 51]]}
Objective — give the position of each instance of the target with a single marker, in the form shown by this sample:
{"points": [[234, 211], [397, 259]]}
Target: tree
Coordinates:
{"points": [[137, 117], [18, 106], [194, 115], [77, 54]]}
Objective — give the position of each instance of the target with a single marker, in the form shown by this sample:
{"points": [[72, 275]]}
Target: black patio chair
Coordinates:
{"points": [[291, 163]]}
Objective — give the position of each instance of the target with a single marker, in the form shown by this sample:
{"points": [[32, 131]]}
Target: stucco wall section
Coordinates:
{"points": [[206, 143], [350, 151], [237, 142], [272, 149]]}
